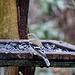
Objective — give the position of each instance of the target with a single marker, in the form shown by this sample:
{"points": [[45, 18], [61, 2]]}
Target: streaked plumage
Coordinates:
{"points": [[37, 47]]}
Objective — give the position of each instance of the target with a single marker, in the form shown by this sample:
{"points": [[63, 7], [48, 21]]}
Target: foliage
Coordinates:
{"points": [[45, 30], [48, 5], [73, 2]]}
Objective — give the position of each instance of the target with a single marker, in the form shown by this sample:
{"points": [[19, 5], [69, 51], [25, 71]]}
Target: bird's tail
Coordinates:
{"points": [[46, 61]]}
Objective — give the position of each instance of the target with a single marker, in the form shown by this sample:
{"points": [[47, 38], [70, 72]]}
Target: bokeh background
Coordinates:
{"points": [[53, 20]]}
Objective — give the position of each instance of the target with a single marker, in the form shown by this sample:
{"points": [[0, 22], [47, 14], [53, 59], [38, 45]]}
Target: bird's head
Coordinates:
{"points": [[32, 36]]}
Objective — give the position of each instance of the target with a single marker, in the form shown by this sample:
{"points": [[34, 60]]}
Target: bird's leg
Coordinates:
{"points": [[35, 54], [32, 53]]}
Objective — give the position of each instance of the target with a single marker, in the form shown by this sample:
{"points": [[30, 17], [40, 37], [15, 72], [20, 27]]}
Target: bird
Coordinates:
{"points": [[37, 47]]}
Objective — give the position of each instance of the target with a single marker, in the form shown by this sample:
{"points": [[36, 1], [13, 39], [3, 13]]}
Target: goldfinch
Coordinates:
{"points": [[37, 47]]}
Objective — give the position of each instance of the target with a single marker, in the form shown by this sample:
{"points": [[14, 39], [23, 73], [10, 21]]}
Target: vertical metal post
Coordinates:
{"points": [[22, 11], [27, 70]]}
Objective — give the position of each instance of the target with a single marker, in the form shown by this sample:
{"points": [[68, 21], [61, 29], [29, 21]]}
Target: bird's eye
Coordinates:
{"points": [[29, 35]]}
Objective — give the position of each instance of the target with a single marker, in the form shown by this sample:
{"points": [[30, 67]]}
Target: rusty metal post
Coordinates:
{"points": [[27, 70], [22, 10]]}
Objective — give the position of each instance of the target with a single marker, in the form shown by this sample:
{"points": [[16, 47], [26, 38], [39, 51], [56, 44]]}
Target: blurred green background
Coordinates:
{"points": [[53, 20]]}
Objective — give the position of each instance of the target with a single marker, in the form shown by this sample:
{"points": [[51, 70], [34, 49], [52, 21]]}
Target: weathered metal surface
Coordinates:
{"points": [[27, 70], [22, 11], [51, 56], [37, 63], [24, 58], [60, 44]]}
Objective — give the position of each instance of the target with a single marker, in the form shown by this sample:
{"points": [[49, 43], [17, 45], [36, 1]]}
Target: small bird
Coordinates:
{"points": [[37, 47]]}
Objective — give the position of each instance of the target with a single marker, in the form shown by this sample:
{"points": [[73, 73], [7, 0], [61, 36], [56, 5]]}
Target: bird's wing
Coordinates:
{"points": [[38, 49]]}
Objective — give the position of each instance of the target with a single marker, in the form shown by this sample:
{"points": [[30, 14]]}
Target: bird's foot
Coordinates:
{"points": [[32, 53], [35, 54]]}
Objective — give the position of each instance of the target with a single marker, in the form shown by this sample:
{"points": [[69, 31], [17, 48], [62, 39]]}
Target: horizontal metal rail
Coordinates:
{"points": [[19, 57]]}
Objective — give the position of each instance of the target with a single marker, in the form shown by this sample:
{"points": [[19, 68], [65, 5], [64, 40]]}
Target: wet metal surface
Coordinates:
{"points": [[17, 52], [22, 11], [22, 46]]}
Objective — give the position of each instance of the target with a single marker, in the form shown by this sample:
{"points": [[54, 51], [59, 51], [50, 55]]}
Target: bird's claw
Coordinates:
{"points": [[32, 53]]}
